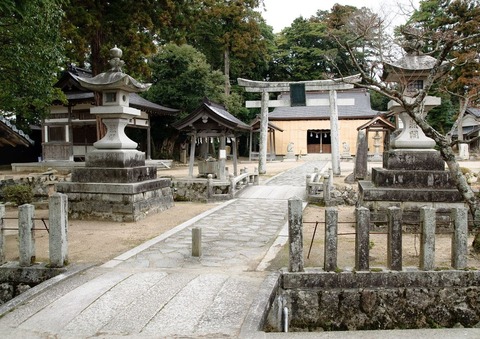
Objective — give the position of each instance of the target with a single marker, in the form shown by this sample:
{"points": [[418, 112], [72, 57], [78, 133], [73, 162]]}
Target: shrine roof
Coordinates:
{"points": [[76, 93], [473, 111], [218, 114], [11, 136], [360, 110], [255, 124]]}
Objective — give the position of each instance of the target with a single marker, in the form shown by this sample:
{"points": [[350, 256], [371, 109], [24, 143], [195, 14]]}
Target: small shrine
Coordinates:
{"points": [[208, 125], [413, 173], [115, 183]]}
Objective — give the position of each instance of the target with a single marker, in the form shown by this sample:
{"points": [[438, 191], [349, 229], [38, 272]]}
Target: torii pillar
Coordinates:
{"points": [[266, 87]]}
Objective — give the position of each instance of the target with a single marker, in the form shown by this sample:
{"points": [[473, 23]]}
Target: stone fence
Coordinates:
{"points": [[459, 217], [206, 190], [331, 299], [58, 228]]}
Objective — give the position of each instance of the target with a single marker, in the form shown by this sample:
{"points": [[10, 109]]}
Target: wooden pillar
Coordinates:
{"points": [[193, 139], [250, 146], [262, 156], [235, 156], [149, 140], [70, 132], [222, 157], [274, 145], [334, 133]]}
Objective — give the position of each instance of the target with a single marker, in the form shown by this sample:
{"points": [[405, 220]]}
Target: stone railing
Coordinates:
{"points": [[318, 185], [459, 218], [214, 190], [58, 226], [332, 299]]}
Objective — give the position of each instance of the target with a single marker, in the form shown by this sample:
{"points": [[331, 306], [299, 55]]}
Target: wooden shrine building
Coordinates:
{"points": [[208, 125], [70, 130]]}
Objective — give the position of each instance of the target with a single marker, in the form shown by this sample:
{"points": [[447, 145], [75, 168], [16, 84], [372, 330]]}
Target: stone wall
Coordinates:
{"points": [[320, 301], [15, 280], [42, 185], [198, 190]]}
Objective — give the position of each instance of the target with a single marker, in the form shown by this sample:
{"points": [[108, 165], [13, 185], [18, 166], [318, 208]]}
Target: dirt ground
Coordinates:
{"points": [[99, 241]]}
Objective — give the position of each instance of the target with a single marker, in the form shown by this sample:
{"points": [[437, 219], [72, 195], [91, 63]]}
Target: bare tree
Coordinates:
{"points": [[442, 43]]}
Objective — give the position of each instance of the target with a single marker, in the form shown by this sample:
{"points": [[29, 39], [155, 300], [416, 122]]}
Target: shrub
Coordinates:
{"points": [[18, 194]]}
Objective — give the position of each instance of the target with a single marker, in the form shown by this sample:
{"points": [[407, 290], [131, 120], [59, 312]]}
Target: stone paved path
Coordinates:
{"points": [[159, 289]]}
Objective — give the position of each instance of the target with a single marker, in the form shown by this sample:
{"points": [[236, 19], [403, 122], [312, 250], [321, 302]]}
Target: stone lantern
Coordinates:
{"points": [[115, 183], [115, 87], [413, 172], [411, 72]]}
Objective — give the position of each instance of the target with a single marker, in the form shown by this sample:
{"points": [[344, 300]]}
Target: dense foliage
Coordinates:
{"points": [[30, 56]]}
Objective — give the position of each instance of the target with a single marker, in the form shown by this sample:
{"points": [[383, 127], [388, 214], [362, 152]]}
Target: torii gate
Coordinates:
{"points": [[266, 87]]}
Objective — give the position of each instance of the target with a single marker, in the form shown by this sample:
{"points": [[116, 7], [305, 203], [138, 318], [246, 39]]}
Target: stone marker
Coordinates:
{"points": [[26, 235], [361, 166], [427, 238], [394, 244], [295, 235], [459, 217], [362, 239], [331, 239], [58, 220]]}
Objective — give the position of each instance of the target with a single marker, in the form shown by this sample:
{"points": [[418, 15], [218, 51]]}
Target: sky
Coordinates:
{"points": [[281, 13]]}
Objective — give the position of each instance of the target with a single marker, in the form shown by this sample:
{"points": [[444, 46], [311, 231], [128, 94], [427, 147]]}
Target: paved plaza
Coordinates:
{"points": [[159, 289]]}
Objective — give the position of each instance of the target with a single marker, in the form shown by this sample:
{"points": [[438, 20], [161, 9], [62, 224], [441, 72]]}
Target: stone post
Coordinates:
{"points": [[58, 217], [231, 178], [262, 155], [361, 157], [326, 188], [26, 234], [459, 218], [209, 186], [331, 239], [256, 180], [196, 242], [334, 133], [2, 235], [394, 244], [362, 239], [295, 234], [427, 238]]}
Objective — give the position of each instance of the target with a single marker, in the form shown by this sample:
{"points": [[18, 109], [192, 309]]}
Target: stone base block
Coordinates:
{"points": [[117, 202], [412, 179], [369, 192], [114, 175], [401, 159], [115, 158]]}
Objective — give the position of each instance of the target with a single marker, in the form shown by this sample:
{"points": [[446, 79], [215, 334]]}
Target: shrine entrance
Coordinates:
{"points": [[319, 141]]}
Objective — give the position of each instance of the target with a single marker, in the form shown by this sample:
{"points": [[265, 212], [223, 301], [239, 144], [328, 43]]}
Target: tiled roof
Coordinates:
{"points": [[218, 114], [11, 135], [474, 111], [361, 108]]}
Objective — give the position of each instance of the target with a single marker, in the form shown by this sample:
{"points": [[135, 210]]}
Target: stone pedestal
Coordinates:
{"points": [[116, 185], [409, 179]]}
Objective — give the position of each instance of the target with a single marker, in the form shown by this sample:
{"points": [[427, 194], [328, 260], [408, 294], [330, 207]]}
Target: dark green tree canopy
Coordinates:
{"points": [[182, 77], [30, 56]]}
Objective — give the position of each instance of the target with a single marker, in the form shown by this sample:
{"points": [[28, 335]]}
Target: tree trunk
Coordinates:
{"points": [[456, 173], [226, 58]]}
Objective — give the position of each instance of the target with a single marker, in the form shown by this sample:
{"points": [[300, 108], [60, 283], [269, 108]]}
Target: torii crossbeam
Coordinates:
{"points": [[266, 87]]}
